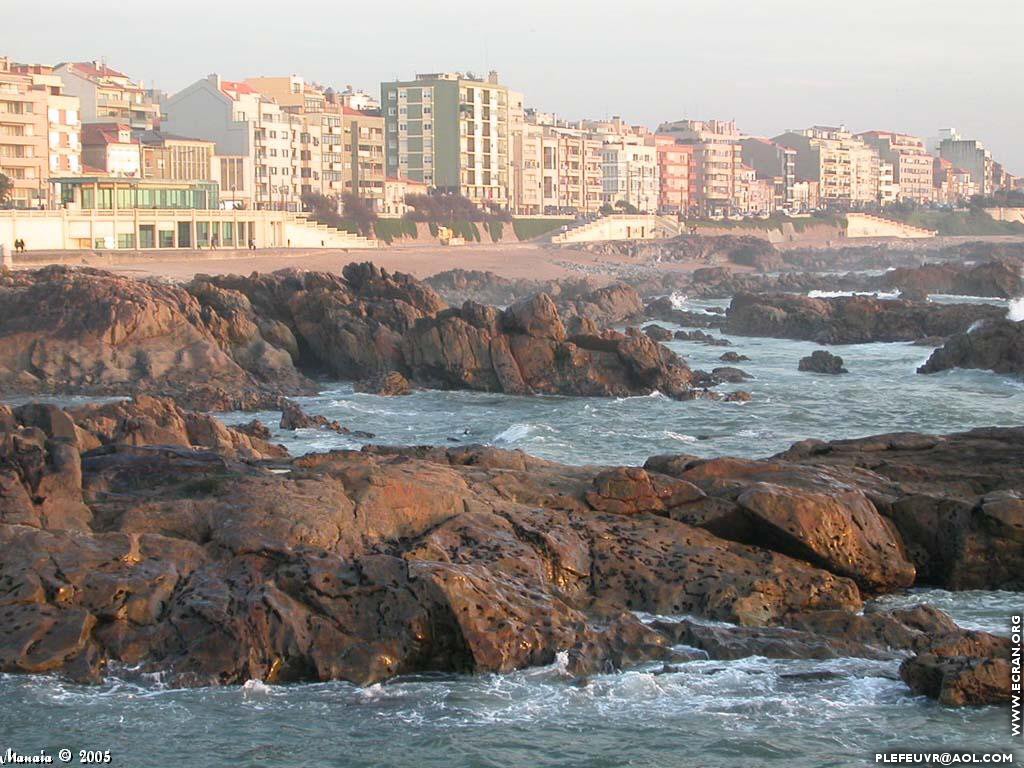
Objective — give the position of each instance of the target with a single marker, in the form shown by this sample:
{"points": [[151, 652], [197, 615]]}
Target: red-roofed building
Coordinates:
{"points": [[110, 148], [108, 96]]}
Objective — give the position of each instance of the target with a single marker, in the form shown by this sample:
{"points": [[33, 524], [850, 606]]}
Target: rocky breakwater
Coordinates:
{"points": [[88, 331], [996, 345], [226, 565], [850, 319]]}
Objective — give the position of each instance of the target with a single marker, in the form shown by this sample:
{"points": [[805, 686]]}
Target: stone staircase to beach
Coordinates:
{"points": [[619, 227], [301, 231]]}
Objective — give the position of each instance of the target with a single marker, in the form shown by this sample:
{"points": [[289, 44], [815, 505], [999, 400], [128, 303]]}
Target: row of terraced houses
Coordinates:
{"points": [[266, 143]]}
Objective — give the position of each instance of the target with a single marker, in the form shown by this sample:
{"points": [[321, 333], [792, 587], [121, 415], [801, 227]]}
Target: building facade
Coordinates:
{"points": [[773, 162], [24, 152], [451, 131], [676, 175], [252, 135], [110, 148], [971, 156], [717, 159], [911, 164], [108, 96], [844, 167]]}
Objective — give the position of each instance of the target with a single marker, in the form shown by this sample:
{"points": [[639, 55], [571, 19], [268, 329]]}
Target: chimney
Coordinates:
{"points": [[492, 77]]}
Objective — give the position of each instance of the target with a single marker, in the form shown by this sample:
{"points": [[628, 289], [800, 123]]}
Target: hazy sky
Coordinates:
{"points": [[908, 65]]}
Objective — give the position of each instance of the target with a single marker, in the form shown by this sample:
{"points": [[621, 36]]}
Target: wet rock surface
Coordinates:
{"points": [[852, 319], [247, 342], [996, 345], [215, 563], [820, 361]]}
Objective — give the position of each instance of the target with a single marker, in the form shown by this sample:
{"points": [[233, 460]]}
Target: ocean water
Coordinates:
{"points": [[881, 393], [707, 714]]}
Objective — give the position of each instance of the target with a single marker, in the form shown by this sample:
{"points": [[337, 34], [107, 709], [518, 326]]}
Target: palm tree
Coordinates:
{"points": [[6, 189]]}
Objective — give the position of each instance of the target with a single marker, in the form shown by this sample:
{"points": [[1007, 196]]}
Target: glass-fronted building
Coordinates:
{"points": [[105, 193]]}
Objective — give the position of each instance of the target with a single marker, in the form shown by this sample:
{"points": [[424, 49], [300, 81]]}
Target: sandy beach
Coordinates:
{"points": [[513, 260]]}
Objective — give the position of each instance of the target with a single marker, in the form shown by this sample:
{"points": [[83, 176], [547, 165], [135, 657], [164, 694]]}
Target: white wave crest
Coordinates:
{"points": [[1016, 310], [255, 686], [839, 294], [678, 300], [513, 434]]}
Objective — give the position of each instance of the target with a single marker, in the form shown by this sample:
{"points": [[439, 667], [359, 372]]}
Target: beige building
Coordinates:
{"points": [[24, 156], [845, 168], [716, 163], [175, 158], [108, 96], [363, 148], [566, 161], [64, 125], [527, 172], [395, 192], [339, 149], [911, 163]]}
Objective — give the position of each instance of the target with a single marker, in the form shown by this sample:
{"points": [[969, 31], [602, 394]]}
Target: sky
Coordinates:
{"points": [[905, 65]]}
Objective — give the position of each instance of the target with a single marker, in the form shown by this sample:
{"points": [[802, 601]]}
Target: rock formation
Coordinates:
{"points": [[996, 345], [820, 361], [234, 342], [850, 320], [214, 566], [88, 331], [526, 349]]}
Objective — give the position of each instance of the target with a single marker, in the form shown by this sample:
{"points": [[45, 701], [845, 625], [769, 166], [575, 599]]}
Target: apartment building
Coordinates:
{"points": [[676, 175], [175, 158], [23, 137], [911, 163], [773, 162], [452, 131], [527, 172], [64, 147], [845, 168], [971, 156], [717, 158], [110, 148], [253, 139], [629, 172], [953, 185], [108, 96], [888, 189], [364, 171]]}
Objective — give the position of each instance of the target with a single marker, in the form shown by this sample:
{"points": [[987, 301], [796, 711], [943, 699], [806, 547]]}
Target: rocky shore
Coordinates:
{"points": [[140, 535], [238, 342], [997, 345], [851, 319]]}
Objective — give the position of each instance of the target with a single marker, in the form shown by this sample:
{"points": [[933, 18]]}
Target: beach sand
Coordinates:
{"points": [[513, 260]]}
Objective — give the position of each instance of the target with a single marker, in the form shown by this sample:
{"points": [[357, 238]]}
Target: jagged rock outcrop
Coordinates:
{"points": [[957, 501], [850, 319], [365, 565], [392, 384], [991, 278], [820, 361], [657, 332], [996, 345], [349, 326], [526, 349], [88, 331]]}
